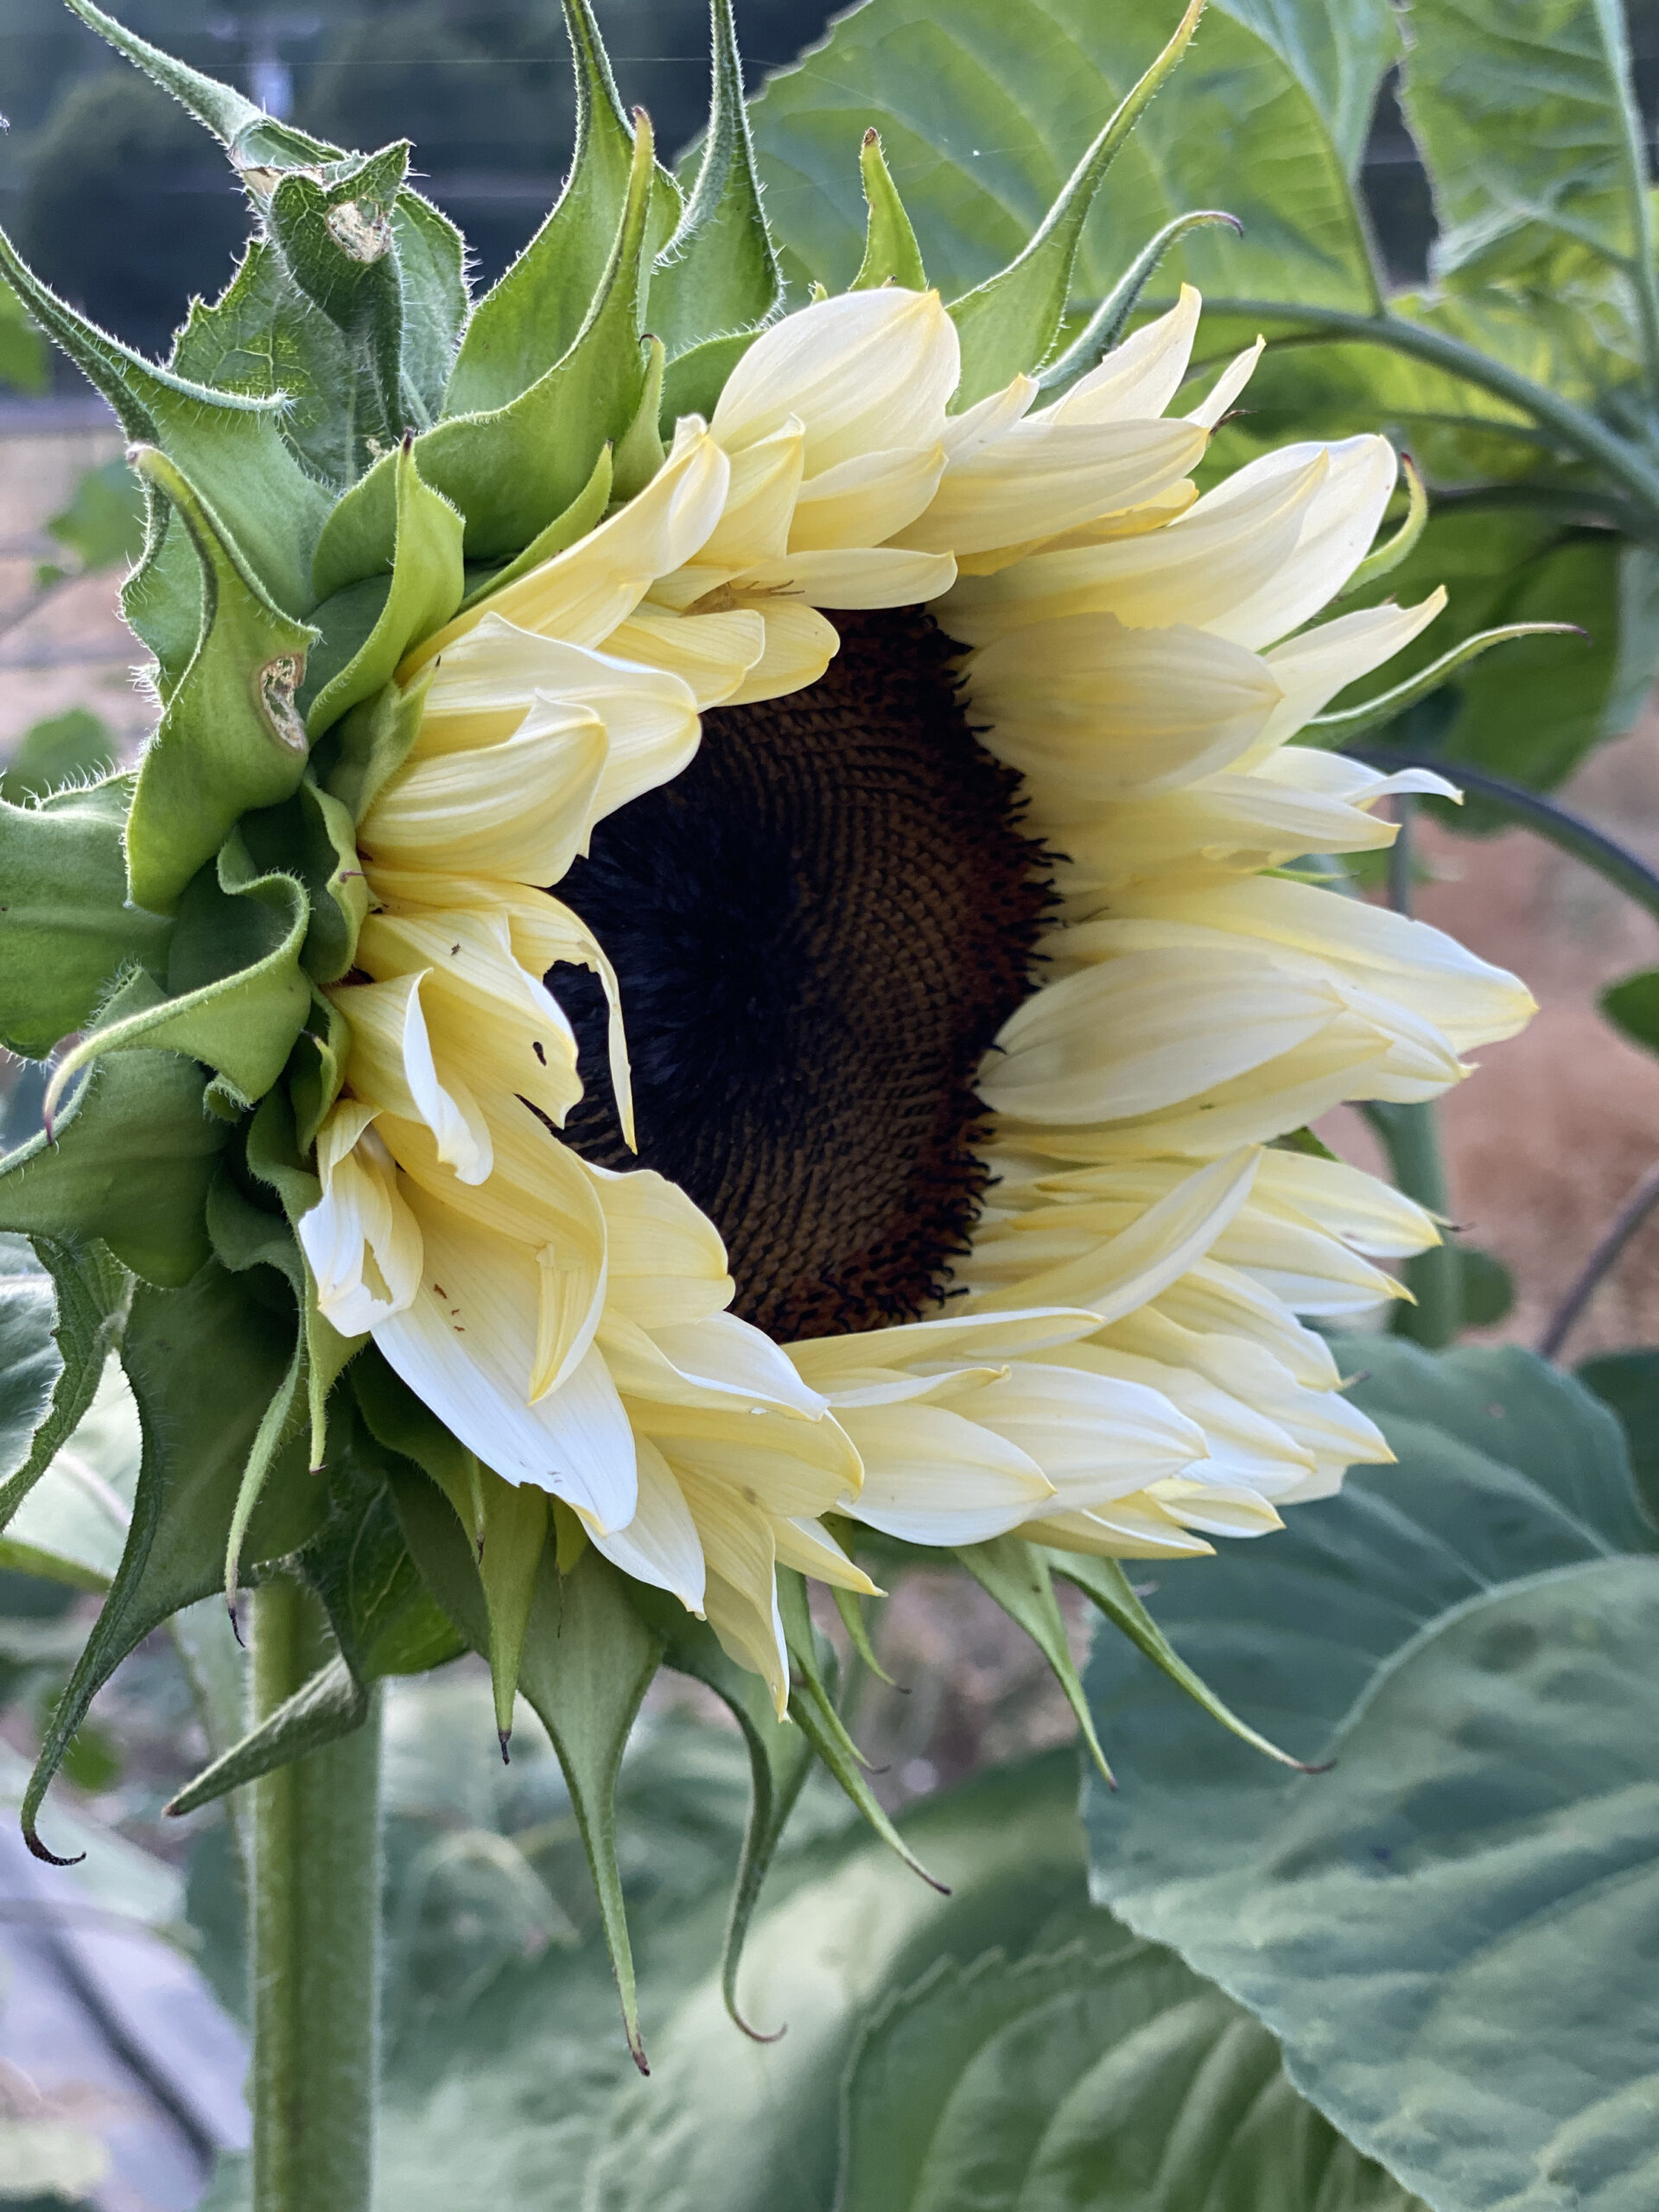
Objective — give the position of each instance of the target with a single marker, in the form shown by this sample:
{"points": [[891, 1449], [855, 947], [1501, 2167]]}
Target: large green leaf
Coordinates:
{"points": [[237, 997], [1452, 1931], [1526, 114], [1096, 2076], [984, 107], [66, 928]]}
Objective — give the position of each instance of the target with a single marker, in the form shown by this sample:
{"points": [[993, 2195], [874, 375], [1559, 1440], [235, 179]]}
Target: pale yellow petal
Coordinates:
{"points": [[1140, 377], [1047, 476], [860, 371], [1090, 710], [933, 1477], [581, 595], [392, 1067]]}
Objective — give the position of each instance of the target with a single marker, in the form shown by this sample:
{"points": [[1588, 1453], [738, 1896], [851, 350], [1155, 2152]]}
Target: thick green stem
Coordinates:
{"points": [[1411, 1135], [315, 1921]]}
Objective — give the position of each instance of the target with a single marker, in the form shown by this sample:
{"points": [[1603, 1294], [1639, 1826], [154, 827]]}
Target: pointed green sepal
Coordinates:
{"points": [[586, 1662], [1333, 731], [237, 994], [1384, 559], [1106, 326], [232, 447], [532, 316], [275, 1157], [432, 269], [331, 1704], [337, 239], [850, 1606], [891, 253], [641, 453], [203, 1366], [129, 1161], [245, 1236], [317, 1074], [312, 837], [693, 384], [584, 511], [89, 1292], [1104, 1582], [427, 585], [382, 1615], [513, 1536], [247, 132], [1016, 1575], [230, 739], [812, 1708], [372, 743], [67, 929], [512, 471], [719, 271], [1008, 323]]}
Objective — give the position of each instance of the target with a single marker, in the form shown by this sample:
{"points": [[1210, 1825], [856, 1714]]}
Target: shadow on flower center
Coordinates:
{"points": [[819, 927]]}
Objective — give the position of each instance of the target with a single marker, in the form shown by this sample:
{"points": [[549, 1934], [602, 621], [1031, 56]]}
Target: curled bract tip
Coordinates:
{"points": [[38, 1850]]}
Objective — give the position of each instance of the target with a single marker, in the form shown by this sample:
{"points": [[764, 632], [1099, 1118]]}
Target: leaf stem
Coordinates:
{"points": [[1532, 811], [315, 1902], [1639, 1203], [1573, 425], [1412, 1136]]}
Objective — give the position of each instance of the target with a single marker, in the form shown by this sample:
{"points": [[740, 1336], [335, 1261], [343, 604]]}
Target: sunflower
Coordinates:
{"points": [[724, 950], [832, 991]]}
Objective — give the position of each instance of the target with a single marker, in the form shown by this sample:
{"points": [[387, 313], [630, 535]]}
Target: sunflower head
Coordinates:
{"points": [[700, 985]]}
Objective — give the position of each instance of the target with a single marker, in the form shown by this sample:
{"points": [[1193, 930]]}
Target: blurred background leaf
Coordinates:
{"points": [[1450, 1932]]}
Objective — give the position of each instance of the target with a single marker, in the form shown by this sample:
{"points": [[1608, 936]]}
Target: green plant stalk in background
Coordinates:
{"points": [[314, 1890]]}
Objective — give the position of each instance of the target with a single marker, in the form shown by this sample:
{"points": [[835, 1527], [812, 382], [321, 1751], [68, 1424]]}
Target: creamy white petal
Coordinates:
{"points": [[800, 645], [711, 654], [520, 809], [882, 576], [1310, 670], [361, 1242], [720, 1360], [811, 1548], [826, 1361], [666, 1262], [1130, 1528], [1095, 1436], [866, 499], [581, 595], [660, 1546], [1045, 475], [933, 1477], [467, 1346], [1227, 386], [1138, 378], [484, 1013], [1146, 1030], [392, 1067], [1090, 710], [1157, 1250], [860, 371]]}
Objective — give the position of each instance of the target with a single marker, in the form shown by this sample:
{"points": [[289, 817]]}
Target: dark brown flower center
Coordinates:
{"points": [[818, 928]]}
